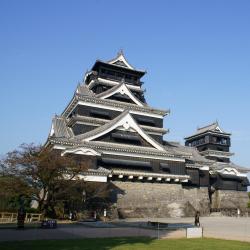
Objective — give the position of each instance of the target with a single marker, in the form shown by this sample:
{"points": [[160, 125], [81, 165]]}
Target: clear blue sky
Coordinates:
{"points": [[196, 53]]}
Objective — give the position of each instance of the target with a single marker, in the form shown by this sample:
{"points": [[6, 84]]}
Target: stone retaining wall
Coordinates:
{"points": [[159, 200], [229, 199]]}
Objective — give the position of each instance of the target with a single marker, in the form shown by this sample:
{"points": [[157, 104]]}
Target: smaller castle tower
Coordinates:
{"points": [[212, 142]]}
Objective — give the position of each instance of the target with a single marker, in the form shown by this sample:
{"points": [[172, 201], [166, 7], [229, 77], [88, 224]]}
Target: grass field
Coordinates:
{"points": [[126, 244]]}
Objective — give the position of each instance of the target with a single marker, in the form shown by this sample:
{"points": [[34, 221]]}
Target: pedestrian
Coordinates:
{"points": [[104, 214], [238, 212], [29, 217], [197, 219], [75, 215]]}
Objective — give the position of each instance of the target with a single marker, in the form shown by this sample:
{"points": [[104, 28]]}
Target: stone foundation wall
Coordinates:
{"points": [[159, 200], [228, 199]]}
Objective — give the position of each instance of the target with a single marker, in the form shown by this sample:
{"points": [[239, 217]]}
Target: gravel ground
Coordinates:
{"points": [[215, 227]]}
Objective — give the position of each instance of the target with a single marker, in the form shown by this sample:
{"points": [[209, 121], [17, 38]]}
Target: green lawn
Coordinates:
{"points": [[126, 244]]}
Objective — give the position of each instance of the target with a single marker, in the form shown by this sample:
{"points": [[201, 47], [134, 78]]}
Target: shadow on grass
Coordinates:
{"points": [[95, 244], [139, 243]]}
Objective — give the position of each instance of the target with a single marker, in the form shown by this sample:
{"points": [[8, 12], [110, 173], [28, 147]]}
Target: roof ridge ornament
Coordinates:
{"points": [[120, 52], [121, 58]]}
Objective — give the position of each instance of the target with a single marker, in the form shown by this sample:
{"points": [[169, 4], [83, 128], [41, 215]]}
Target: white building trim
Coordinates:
{"points": [[231, 171], [99, 122], [123, 90], [128, 122], [113, 83], [121, 58], [92, 178], [81, 151], [204, 168], [219, 129], [144, 156], [52, 130], [101, 106], [59, 147]]}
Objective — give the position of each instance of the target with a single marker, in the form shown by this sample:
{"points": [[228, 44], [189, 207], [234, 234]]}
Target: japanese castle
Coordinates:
{"points": [[109, 122]]}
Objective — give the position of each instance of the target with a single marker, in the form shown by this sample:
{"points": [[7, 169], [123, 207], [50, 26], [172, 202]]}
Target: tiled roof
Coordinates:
{"points": [[102, 128], [110, 82], [137, 151], [222, 165], [210, 127], [104, 146], [111, 103], [107, 126], [82, 89], [190, 151], [60, 128], [214, 127], [64, 135], [109, 91], [99, 121], [116, 87]]}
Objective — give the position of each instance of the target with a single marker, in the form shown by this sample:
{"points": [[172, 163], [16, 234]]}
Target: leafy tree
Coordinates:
{"points": [[44, 170], [13, 190], [249, 200]]}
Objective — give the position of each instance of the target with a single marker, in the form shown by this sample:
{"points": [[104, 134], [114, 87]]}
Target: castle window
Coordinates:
{"points": [[214, 139], [111, 72], [119, 75], [206, 138], [201, 141], [224, 141]]}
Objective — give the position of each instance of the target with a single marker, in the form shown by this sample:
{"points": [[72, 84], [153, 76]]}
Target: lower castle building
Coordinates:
{"points": [[109, 121]]}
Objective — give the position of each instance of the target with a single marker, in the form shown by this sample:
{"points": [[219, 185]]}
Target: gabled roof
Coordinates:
{"points": [[122, 89], [120, 60], [59, 128], [211, 127], [214, 128], [124, 120], [83, 89], [112, 83]]}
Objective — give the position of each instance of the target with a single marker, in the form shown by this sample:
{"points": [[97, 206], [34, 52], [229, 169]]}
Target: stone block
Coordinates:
{"points": [[138, 199]]}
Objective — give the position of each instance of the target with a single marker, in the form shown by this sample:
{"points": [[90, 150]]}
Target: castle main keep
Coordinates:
{"points": [[109, 121]]}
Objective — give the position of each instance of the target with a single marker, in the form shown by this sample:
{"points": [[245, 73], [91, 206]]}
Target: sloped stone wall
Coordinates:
{"points": [[159, 200], [230, 199]]}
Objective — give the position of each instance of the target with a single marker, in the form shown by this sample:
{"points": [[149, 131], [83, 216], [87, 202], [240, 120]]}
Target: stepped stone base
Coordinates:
{"points": [[141, 200]]}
